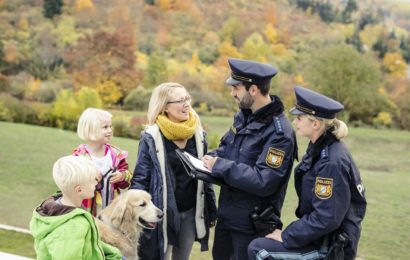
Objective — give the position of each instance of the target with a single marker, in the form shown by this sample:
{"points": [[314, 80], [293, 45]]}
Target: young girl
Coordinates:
{"points": [[95, 128]]}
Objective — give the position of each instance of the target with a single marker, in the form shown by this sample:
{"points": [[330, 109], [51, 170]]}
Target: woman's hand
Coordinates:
{"points": [[275, 235], [117, 177]]}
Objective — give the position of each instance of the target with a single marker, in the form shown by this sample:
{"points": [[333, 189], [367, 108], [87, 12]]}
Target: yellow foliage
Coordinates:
{"points": [[299, 80], [23, 23], [383, 119], [65, 107], [142, 60], [66, 33], [194, 64], [108, 92], [32, 88], [346, 29], [382, 91], [279, 49], [84, 4], [175, 5], [174, 67], [271, 33], [370, 34], [226, 49], [164, 4], [395, 64]]}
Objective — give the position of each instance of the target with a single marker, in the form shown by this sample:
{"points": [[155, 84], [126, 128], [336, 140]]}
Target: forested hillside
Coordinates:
{"points": [[57, 57]]}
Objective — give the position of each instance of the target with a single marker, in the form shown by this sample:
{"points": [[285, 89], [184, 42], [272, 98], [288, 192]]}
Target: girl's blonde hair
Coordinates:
{"points": [[160, 97], [339, 128], [89, 123], [70, 171]]}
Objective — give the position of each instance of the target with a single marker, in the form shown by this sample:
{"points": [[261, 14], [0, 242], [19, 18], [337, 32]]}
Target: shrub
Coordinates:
{"points": [[18, 84], [5, 114], [383, 119], [4, 83], [126, 126], [46, 93], [137, 99], [88, 97], [65, 110], [18, 111]]}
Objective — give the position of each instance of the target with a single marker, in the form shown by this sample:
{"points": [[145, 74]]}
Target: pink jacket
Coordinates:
{"points": [[119, 161]]}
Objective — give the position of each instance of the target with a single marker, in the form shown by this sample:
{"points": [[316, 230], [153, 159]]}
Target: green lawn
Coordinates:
{"points": [[28, 153]]}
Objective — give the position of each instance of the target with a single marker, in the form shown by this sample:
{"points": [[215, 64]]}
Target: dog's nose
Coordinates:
{"points": [[160, 215]]}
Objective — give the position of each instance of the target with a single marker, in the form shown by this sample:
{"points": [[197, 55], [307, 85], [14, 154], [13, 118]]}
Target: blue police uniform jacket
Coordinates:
{"points": [[331, 197], [255, 160]]}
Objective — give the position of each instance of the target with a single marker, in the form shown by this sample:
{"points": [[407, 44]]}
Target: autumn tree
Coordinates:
{"points": [[52, 8], [395, 64], [105, 59], [349, 77], [156, 71]]}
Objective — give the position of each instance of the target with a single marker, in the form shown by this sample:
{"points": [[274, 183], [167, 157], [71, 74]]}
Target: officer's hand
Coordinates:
{"points": [[209, 161], [275, 235]]}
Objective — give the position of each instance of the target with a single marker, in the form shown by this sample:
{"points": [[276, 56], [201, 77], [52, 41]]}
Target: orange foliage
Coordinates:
{"points": [[11, 53], [270, 14], [103, 57], [166, 5], [81, 5]]}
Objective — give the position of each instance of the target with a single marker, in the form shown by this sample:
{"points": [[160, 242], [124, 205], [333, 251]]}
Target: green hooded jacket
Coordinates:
{"points": [[63, 232]]}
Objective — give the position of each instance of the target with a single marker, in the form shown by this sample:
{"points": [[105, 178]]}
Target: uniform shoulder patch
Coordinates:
{"points": [[274, 158], [323, 188]]}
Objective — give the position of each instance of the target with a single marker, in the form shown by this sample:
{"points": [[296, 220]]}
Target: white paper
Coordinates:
{"points": [[196, 162]]}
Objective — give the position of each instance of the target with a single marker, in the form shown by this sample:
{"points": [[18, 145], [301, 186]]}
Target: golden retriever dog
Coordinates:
{"points": [[124, 219]]}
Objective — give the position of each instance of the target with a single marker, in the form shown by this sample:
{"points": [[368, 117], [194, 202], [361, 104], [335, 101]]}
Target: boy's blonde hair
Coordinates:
{"points": [[160, 97], [70, 171], [90, 122]]}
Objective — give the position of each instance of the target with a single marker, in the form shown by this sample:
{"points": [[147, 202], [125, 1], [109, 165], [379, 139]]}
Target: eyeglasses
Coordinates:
{"points": [[181, 101]]}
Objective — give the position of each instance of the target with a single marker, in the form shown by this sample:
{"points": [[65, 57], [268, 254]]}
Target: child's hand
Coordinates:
{"points": [[117, 177], [99, 177]]}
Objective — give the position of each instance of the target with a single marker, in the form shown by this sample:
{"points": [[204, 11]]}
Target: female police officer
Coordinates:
{"points": [[331, 195]]}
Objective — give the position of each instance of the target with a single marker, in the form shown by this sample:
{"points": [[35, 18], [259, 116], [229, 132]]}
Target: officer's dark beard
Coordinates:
{"points": [[246, 102]]}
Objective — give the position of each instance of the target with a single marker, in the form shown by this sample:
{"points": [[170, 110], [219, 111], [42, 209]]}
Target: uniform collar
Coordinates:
{"points": [[321, 143], [266, 113]]}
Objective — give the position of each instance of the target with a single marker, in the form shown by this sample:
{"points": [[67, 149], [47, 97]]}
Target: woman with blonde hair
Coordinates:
{"points": [[188, 204], [332, 201]]}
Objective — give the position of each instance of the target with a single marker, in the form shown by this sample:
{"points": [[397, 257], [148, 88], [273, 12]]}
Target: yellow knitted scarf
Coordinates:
{"points": [[177, 131]]}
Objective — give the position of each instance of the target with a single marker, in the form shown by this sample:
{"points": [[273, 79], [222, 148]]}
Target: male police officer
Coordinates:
{"points": [[254, 158]]}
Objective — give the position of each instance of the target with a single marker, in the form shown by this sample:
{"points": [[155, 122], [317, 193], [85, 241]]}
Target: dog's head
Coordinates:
{"points": [[132, 208]]}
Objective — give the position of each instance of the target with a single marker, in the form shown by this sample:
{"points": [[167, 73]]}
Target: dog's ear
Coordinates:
{"points": [[118, 210]]}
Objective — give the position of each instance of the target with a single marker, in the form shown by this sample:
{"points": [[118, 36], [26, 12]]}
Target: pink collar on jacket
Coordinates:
{"points": [[116, 153]]}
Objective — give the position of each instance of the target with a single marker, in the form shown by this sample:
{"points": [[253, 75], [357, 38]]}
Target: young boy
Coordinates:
{"points": [[63, 230]]}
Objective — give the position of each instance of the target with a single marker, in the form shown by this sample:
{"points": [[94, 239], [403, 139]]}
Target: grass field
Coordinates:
{"points": [[28, 152]]}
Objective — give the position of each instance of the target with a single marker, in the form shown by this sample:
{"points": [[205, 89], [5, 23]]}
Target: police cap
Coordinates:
{"points": [[249, 71], [313, 103]]}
